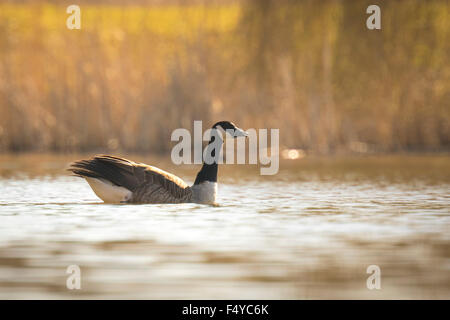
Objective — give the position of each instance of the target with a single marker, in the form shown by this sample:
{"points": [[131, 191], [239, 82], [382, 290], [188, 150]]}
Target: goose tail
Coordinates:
{"points": [[103, 178]]}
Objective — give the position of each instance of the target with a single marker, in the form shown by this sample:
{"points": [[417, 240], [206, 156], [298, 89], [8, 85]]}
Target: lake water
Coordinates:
{"points": [[308, 232]]}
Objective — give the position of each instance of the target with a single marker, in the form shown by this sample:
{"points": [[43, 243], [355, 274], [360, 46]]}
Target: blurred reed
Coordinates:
{"points": [[133, 73]]}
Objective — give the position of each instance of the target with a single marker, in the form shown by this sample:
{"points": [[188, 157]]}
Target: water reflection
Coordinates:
{"points": [[309, 232]]}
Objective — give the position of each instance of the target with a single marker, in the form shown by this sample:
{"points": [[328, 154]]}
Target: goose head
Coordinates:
{"points": [[231, 128]]}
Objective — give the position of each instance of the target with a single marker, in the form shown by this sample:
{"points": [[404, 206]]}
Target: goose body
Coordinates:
{"points": [[118, 180]]}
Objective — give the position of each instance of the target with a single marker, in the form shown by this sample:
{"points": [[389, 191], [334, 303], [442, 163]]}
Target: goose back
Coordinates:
{"points": [[148, 184]]}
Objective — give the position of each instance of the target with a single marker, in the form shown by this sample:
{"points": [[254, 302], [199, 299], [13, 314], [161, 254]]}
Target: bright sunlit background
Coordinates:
{"points": [[137, 70], [364, 145]]}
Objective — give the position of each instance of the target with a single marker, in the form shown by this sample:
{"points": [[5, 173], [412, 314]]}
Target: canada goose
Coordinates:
{"points": [[118, 180]]}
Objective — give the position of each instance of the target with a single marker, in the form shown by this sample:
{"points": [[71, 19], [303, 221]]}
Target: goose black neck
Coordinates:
{"points": [[208, 172]]}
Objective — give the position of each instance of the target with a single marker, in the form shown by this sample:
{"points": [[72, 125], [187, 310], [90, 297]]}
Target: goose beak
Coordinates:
{"points": [[238, 132]]}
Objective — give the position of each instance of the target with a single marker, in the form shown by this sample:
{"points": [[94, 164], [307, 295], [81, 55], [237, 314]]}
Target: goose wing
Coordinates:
{"points": [[148, 184]]}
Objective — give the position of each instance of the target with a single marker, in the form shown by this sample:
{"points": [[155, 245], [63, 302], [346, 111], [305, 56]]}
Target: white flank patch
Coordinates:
{"points": [[108, 192]]}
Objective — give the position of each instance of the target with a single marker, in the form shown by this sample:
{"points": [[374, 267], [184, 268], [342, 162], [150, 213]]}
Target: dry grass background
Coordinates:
{"points": [[134, 72]]}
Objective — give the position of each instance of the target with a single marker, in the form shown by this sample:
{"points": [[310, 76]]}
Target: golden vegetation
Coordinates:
{"points": [[132, 74]]}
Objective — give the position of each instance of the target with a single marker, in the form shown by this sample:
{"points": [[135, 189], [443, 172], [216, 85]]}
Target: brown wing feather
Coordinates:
{"points": [[148, 184], [160, 187]]}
